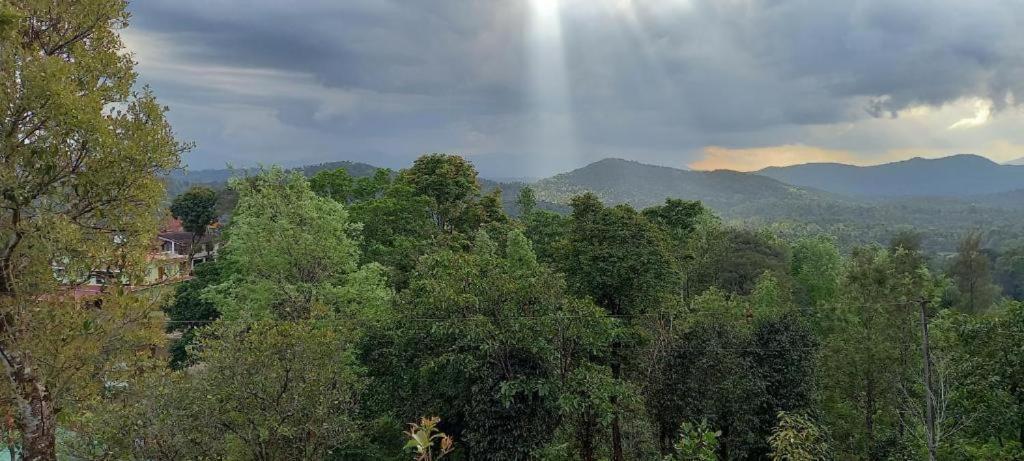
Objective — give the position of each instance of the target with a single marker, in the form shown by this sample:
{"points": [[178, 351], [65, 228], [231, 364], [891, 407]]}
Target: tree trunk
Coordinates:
{"points": [[586, 437], [929, 394], [617, 439], [37, 417], [869, 417], [617, 454]]}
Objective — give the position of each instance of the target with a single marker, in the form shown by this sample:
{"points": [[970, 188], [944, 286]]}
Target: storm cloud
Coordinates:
{"points": [[674, 82]]}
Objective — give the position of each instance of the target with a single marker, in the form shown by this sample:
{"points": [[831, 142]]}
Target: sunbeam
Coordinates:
{"points": [[550, 100]]}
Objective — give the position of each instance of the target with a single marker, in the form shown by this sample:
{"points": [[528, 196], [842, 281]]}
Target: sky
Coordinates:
{"points": [[529, 88]]}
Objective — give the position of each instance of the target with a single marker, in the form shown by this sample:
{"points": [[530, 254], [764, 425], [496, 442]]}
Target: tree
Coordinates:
{"points": [[265, 390], [291, 254], [970, 270], [871, 354], [705, 374], [816, 269], [491, 210], [798, 438], [503, 345], [197, 209], [397, 229], [79, 180], [450, 183], [621, 261], [696, 443], [548, 231], [981, 385], [190, 310], [1009, 272], [677, 217], [526, 201], [334, 184], [371, 187]]}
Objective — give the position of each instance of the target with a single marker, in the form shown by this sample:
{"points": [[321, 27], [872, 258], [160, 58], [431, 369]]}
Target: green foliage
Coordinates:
{"points": [[449, 181], [291, 254], [731, 259], [798, 438], [816, 269], [1009, 272], [696, 443], [83, 150], [190, 310], [618, 258], [677, 217], [270, 390], [422, 438], [871, 351], [983, 374], [526, 201], [971, 271], [548, 232], [196, 208], [372, 186], [490, 339], [397, 228], [334, 184]]}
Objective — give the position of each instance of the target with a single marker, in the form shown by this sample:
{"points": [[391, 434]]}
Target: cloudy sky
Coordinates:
{"points": [[527, 88]]}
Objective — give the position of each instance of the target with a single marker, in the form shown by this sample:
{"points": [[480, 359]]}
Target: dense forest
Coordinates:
{"points": [[610, 333], [406, 314]]}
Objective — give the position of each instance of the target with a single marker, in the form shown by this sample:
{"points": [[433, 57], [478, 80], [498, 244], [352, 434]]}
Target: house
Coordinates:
{"points": [[166, 263], [174, 240]]}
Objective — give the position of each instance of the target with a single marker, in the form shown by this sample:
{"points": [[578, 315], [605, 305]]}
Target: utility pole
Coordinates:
{"points": [[929, 394]]}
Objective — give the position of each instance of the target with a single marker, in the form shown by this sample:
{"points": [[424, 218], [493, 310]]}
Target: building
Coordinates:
{"points": [[166, 263]]}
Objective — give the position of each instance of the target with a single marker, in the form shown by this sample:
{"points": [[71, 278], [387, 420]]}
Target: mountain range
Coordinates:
{"points": [[850, 207], [942, 198], [955, 176]]}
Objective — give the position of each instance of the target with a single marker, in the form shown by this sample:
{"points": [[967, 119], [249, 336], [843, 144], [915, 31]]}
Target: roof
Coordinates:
{"points": [[184, 238]]}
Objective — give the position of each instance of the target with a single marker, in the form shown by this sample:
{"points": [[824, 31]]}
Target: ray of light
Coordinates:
{"points": [[550, 98]]}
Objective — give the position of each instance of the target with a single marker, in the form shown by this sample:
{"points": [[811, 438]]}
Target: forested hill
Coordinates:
{"points": [[178, 181], [747, 198], [642, 185], [761, 201], [953, 176]]}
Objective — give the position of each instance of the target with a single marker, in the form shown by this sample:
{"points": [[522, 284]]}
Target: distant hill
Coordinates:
{"points": [[641, 185], [1010, 200], [222, 175], [179, 181], [954, 176], [1018, 161], [754, 200]]}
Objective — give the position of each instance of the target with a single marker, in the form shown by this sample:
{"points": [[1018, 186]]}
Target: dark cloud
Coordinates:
{"points": [[382, 81]]}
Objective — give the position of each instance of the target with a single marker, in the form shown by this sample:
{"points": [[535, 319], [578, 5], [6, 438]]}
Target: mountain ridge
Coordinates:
{"points": [[959, 175]]}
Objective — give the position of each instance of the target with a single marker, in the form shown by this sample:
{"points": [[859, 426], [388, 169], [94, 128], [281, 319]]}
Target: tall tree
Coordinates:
{"points": [[334, 184], [526, 201], [490, 339], [973, 276], [291, 253], [450, 183], [678, 217], [981, 382], [197, 209], [816, 269], [1009, 272], [78, 179], [872, 354], [619, 259]]}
